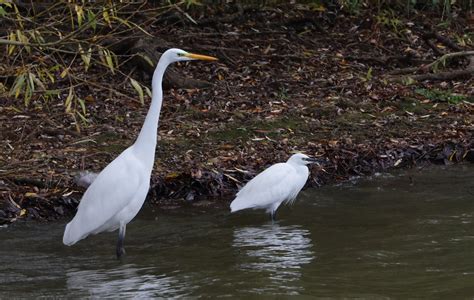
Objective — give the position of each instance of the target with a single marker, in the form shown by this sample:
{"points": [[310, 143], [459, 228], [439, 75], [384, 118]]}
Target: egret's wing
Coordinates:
{"points": [[269, 177], [108, 194], [272, 185]]}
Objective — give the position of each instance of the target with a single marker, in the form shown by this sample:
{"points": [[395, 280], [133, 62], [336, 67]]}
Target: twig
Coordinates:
{"points": [[65, 38], [111, 89], [383, 60], [435, 49], [185, 14], [430, 35], [428, 67], [448, 75]]}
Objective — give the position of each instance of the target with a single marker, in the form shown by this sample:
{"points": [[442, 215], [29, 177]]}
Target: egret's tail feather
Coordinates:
{"points": [[239, 204], [71, 234], [234, 206], [233, 209]]}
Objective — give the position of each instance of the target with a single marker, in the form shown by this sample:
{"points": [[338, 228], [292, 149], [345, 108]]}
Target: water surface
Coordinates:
{"points": [[391, 236]]}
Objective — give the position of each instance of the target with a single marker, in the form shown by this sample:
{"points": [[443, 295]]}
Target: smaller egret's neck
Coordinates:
{"points": [[145, 144], [298, 166], [301, 170]]}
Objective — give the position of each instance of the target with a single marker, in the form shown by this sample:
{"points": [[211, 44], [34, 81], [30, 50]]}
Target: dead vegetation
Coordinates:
{"points": [[290, 77]]}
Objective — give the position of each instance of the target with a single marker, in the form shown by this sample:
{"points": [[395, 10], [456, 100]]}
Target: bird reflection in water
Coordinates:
{"points": [[125, 281], [279, 251]]}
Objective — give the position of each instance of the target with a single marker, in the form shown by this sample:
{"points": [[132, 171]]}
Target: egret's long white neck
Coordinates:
{"points": [[145, 144]]}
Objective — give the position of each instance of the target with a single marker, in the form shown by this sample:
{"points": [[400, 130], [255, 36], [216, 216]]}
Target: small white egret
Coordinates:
{"points": [[279, 183], [117, 194]]}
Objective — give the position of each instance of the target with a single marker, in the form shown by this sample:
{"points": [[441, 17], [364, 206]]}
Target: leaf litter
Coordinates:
{"points": [[287, 80]]}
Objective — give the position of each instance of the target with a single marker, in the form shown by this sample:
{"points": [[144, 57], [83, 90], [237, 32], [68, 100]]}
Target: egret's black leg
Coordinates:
{"points": [[120, 248], [273, 216]]}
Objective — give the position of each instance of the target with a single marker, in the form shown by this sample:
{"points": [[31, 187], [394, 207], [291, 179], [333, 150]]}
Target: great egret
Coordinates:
{"points": [[117, 194], [279, 183]]}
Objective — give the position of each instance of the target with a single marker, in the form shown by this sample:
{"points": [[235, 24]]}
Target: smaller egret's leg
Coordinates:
{"points": [[121, 238], [273, 215]]}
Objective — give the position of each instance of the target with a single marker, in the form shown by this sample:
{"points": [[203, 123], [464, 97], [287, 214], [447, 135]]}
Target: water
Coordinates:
{"points": [[391, 236]]}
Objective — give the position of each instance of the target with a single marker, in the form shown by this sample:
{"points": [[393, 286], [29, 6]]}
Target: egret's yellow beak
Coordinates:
{"points": [[199, 56]]}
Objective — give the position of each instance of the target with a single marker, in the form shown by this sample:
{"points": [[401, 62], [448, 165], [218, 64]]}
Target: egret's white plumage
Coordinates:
{"points": [[85, 178], [277, 184], [118, 192]]}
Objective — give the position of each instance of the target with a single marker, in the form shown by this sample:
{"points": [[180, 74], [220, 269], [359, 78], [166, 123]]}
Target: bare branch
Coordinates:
{"points": [[447, 75], [433, 64]]}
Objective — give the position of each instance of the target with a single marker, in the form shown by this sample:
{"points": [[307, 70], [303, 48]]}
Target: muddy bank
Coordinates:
{"points": [[201, 188], [287, 80]]}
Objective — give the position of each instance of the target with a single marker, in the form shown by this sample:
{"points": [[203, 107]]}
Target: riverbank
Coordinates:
{"points": [[287, 80]]}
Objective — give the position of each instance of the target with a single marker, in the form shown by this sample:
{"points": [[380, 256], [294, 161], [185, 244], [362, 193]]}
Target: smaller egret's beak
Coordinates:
{"points": [[199, 56], [315, 161]]}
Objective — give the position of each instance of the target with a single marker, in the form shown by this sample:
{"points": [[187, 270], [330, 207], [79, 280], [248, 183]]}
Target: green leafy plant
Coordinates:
{"points": [[47, 52], [443, 96], [352, 6], [389, 19]]}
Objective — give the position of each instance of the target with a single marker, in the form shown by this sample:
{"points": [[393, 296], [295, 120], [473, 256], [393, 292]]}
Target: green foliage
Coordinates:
{"points": [[352, 6], [189, 3], [46, 51], [283, 93], [368, 75], [53, 46], [389, 19], [443, 96], [444, 7]]}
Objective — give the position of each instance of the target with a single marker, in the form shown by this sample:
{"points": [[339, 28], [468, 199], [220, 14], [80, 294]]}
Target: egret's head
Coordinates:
{"points": [[302, 159], [175, 55]]}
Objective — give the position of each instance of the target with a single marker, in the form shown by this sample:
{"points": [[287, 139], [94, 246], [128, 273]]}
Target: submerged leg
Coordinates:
{"points": [[273, 211], [273, 216], [120, 249]]}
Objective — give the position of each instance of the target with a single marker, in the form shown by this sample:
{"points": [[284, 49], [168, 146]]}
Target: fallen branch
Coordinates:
{"points": [[447, 75], [384, 60], [30, 181], [446, 41]]}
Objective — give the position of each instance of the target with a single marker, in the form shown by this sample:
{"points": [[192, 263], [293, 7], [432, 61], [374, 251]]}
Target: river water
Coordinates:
{"points": [[402, 235]]}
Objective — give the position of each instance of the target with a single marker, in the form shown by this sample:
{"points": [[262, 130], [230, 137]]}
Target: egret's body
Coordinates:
{"points": [[277, 184], [117, 194]]}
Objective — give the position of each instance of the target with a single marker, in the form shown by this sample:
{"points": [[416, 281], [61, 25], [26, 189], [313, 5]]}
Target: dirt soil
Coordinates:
{"points": [[287, 80]]}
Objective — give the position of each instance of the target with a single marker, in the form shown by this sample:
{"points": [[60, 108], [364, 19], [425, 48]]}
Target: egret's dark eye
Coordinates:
{"points": [[180, 54]]}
